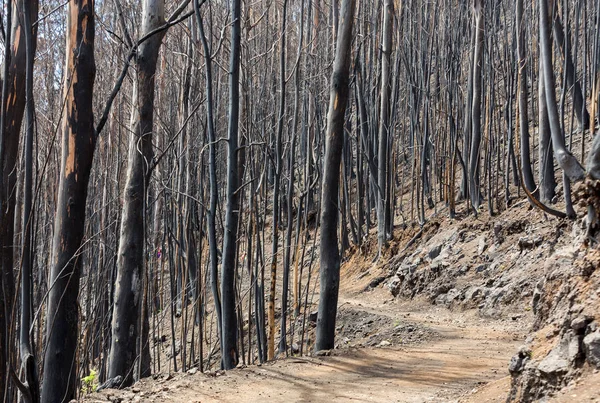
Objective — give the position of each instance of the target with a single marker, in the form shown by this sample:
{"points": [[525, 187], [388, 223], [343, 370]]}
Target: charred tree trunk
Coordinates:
{"points": [[212, 169], [229, 348], [31, 392], [330, 257], [11, 117], [276, 186], [384, 122], [78, 142], [523, 112], [129, 342]]}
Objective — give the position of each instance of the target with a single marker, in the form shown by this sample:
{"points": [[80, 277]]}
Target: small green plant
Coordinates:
{"points": [[90, 383]]}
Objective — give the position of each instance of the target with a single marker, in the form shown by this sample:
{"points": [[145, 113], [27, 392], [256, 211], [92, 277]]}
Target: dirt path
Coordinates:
{"points": [[464, 353]]}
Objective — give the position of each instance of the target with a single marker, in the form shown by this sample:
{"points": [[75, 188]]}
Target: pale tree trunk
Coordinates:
{"points": [[565, 159], [572, 82], [334, 142], [474, 182], [78, 142], [129, 350], [546, 154]]}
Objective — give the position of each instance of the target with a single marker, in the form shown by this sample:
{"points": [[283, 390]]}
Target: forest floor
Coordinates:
{"points": [[390, 351], [436, 320]]}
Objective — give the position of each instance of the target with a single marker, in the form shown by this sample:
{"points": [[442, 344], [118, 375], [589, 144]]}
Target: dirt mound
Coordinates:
{"points": [[357, 328]]}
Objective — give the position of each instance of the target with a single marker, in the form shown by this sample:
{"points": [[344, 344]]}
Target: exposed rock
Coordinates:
{"points": [[498, 236], [295, 348], [591, 344], [554, 364], [394, 285], [376, 281], [519, 360], [482, 245], [435, 251], [473, 295], [579, 323], [526, 242]]}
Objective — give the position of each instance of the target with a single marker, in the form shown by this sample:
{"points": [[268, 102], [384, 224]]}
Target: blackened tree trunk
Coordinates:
{"points": [[330, 256], [11, 117], [78, 142], [229, 348], [384, 122], [523, 92], [31, 393], [277, 184], [129, 338], [212, 169]]}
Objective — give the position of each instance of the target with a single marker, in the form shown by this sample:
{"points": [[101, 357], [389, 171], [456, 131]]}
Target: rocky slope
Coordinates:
{"points": [[520, 265]]}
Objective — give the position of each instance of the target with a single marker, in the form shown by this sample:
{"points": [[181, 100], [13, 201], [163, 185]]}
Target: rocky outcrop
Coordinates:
{"points": [[567, 316]]}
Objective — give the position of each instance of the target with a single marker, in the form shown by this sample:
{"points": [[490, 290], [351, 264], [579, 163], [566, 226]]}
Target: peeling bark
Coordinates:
{"points": [[78, 143]]}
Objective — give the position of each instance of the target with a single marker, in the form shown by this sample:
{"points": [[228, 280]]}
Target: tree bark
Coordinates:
{"points": [[12, 110], [474, 182], [578, 100], [212, 169], [523, 112], [229, 348], [78, 143], [330, 257], [565, 159], [128, 329], [384, 122], [546, 154], [28, 359]]}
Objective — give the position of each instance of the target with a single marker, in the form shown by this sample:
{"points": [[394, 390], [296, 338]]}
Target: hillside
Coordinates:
{"points": [[438, 319]]}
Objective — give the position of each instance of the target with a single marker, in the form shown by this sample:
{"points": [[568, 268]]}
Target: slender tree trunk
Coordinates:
{"points": [[229, 348], [212, 169], [290, 193], [11, 116], [384, 122], [522, 99], [572, 82], [474, 182], [565, 159], [78, 142], [28, 360], [128, 329], [546, 153], [330, 257]]}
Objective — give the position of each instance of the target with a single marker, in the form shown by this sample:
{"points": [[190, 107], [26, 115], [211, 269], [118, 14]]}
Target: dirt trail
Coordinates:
{"points": [[465, 353]]}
